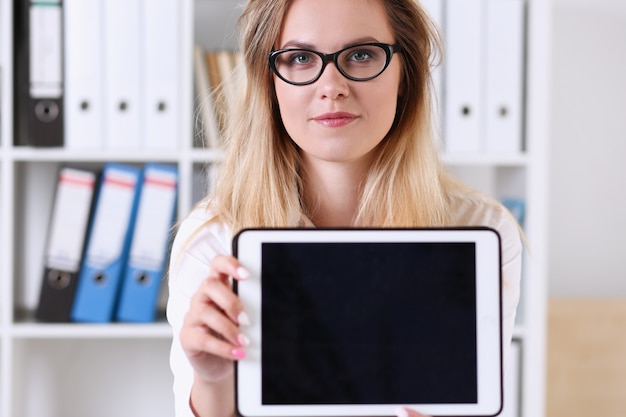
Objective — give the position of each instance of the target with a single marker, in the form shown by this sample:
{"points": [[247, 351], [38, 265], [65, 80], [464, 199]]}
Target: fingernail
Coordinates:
{"points": [[243, 339], [401, 412], [239, 353], [243, 319], [243, 273]]}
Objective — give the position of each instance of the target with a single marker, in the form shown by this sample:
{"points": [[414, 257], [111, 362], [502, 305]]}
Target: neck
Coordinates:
{"points": [[332, 191]]}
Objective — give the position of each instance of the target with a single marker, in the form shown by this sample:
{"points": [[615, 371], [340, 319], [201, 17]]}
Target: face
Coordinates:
{"points": [[336, 119]]}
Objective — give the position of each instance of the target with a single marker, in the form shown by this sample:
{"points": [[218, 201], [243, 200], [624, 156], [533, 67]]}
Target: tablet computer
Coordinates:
{"points": [[357, 322]]}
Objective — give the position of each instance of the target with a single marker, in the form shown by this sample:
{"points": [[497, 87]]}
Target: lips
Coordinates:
{"points": [[335, 119]]}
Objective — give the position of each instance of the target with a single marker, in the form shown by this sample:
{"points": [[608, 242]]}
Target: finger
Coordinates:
{"points": [[407, 412], [224, 266], [223, 327], [220, 294], [199, 341]]}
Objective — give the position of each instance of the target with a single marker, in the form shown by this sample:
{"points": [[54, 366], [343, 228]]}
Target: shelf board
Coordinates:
{"points": [[202, 155], [29, 154], [511, 160], [25, 326], [198, 155], [31, 330], [159, 330]]}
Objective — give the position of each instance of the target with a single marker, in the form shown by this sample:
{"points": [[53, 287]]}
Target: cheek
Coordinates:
{"points": [[387, 103], [288, 105], [280, 93], [392, 97], [382, 108]]}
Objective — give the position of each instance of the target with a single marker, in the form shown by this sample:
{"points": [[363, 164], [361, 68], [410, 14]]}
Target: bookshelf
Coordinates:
{"points": [[77, 369], [49, 370]]}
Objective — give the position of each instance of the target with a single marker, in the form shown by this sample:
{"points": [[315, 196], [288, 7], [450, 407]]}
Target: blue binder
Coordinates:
{"points": [[150, 243], [107, 244]]}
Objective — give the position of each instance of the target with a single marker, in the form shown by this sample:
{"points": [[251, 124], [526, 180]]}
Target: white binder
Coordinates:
{"points": [[161, 68], [83, 74], [122, 73], [504, 76], [463, 76]]}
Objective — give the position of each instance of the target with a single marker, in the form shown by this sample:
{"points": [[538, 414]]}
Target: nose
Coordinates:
{"points": [[332, 84]]}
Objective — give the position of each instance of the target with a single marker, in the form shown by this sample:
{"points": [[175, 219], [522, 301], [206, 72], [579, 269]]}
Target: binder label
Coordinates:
{"points": [[112, 217], [70, 216], [158, 197], [46, 74]]}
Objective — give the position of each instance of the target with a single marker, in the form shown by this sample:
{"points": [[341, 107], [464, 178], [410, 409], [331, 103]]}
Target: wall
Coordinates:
{"points": [[587, 218], [587, 210]]}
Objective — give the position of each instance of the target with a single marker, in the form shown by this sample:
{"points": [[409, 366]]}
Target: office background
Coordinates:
{"points": [[587, 217], [586, 358], [586, 212]]}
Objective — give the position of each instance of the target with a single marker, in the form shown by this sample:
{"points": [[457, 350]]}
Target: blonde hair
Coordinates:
{"points": [[260, 177]]}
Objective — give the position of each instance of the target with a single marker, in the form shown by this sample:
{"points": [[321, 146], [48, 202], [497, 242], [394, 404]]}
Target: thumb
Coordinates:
{"points": [[406, 412]]}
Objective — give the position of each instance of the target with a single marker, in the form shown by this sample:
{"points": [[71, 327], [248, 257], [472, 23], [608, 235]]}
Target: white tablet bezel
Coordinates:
{"points": [[247, 247]]}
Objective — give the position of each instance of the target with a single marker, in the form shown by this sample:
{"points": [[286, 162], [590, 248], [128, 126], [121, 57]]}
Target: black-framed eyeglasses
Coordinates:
{"points": [[362, 62]]}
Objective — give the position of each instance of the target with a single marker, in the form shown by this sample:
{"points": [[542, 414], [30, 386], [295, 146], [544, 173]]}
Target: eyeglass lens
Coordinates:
{"points": [[358, 62]]}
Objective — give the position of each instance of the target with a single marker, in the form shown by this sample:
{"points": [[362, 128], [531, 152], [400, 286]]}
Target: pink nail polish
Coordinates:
{"points": [[243, 339], [239, 353]]}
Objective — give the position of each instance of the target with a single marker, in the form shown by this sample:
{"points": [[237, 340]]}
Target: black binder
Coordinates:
{"points": [[65, 246], [38, 69]]}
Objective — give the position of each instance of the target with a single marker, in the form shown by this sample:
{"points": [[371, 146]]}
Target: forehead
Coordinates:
{"points": [[332, 24]]}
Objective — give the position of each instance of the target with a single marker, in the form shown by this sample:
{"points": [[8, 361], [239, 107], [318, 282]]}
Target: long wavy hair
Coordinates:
{"points": [[260, 183]]}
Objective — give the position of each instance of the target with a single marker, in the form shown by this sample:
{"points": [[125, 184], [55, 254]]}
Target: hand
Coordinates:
{"points": [[407, 412], [210, 335]]}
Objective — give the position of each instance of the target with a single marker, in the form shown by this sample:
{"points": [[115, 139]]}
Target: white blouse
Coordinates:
{"points": [[196, 244]]}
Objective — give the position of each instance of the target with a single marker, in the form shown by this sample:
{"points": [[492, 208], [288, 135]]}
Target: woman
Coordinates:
{"points": [[334, 129]]}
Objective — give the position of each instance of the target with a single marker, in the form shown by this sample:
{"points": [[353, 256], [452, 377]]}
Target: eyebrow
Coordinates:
{"points": [[304, 45]]}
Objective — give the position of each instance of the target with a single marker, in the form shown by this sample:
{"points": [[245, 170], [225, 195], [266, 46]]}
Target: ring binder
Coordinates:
{"points": [[149, 246], [39, 73], [107, 244], [65, 245]]}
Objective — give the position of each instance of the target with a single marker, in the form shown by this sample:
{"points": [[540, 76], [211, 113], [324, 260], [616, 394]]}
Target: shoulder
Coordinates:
{"points": [[198, 239], [199, 227], [475, 209]]}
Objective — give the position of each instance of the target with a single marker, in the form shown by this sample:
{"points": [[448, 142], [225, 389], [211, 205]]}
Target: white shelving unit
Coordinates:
{"points": [[52, 370], [59, 370], [525, 176]]}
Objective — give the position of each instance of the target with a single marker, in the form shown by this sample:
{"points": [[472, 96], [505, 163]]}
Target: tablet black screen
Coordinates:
{"points": [[368, 323]]}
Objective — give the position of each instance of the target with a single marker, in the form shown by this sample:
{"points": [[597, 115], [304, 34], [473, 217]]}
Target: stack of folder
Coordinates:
{"points": [[106, 74], [107, 245], [479, 88], [98, 74]]}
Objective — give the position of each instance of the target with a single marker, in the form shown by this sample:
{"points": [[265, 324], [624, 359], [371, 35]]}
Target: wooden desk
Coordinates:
{"points": [[586, 358]]}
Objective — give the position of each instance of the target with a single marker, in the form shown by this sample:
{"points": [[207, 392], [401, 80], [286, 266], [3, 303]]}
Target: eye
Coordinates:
{"points": [[360, 55], [363, 55], [299, 58]]}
